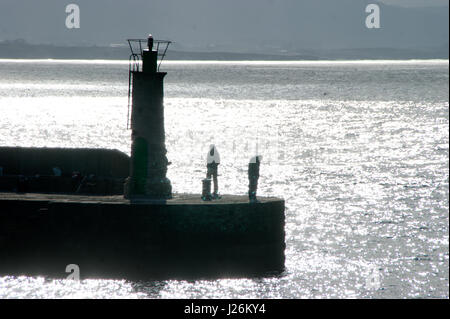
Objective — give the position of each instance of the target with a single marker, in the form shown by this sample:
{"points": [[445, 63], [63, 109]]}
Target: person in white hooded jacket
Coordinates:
{"points": [[212, 163]]}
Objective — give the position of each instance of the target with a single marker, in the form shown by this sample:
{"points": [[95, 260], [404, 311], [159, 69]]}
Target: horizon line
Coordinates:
{"points": [[256, 62]]}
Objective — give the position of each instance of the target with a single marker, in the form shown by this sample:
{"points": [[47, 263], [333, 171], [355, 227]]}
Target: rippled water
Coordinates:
{"points": [[359, 151]]}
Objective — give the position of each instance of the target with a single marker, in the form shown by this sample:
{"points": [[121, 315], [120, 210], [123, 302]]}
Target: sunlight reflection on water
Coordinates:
{"points": [[364, 176]]}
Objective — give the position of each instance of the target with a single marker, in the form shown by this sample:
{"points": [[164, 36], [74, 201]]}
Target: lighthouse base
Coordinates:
{"points": [[153, 189], [111, 237]]}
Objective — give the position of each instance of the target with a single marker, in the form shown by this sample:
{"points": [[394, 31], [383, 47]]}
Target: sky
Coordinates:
{"points": [[416, 3], [259, 26]]}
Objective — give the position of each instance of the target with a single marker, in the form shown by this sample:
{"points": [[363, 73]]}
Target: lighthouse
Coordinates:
{"points": [[148, 164], [147, 233]]}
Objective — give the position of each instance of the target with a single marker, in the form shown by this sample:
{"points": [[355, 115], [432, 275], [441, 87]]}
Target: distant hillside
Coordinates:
{"points": [[23, 50]]}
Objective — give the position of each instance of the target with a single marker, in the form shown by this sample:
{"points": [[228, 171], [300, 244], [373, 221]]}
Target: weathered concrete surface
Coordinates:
{"points": [[110, 237], [148, 151]]}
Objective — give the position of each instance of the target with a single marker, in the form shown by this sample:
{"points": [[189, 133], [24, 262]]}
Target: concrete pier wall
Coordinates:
{"points": [[31, 170], [31, 161], [110, 237]]}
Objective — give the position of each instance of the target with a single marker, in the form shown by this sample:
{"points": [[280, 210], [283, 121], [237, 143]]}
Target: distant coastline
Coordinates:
{"points": [[23, 50]]}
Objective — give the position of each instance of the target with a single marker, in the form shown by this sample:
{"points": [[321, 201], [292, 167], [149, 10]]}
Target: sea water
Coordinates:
{"points": [[359, 150]]}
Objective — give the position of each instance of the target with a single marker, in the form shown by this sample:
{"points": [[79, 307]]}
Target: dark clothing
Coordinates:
{"points": [[253, 169], [253, 176], [252, 187], [206, 189], [212, 168]]}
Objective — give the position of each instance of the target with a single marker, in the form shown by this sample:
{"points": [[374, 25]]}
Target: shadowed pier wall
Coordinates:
{"points": [[107, 236]]}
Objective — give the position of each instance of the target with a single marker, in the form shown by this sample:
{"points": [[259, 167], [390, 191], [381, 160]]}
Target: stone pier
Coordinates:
{"points": [[111, 237]]}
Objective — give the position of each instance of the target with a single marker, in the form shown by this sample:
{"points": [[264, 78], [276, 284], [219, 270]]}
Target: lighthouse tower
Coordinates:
{"points": [[148, 165]]}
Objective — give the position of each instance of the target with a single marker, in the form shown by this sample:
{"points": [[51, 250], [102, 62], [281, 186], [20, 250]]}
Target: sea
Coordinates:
{"points": [[359, 151]]}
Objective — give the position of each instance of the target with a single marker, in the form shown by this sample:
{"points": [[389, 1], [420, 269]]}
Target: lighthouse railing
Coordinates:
{"points": [[135, 61], [137, 47]]}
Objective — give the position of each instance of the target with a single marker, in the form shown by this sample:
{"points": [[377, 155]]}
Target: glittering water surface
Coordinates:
{"points": [[359, 151]]}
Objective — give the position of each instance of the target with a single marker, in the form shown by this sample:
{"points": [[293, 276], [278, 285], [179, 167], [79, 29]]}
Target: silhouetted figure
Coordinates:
{"points": [[150, 42], [212, 163], [253, 176]]}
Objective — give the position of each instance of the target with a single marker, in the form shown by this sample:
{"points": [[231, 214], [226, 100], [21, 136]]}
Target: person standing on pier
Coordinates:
{"points": [[253, 176], [212, 163]]}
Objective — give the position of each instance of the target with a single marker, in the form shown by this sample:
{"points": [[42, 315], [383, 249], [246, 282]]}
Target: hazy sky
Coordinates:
{"points": [[231, 25], [416, 3]]}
